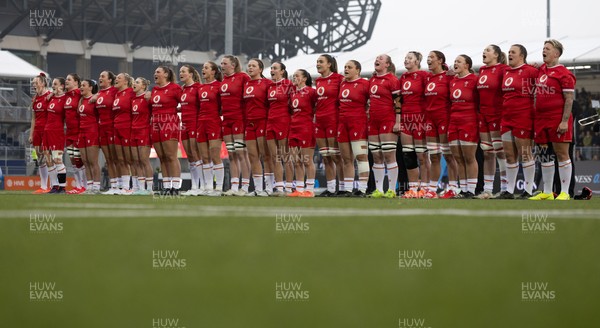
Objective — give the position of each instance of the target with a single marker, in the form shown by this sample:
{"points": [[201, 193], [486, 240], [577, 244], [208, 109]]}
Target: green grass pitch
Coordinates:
{"points": [[132, 261]]}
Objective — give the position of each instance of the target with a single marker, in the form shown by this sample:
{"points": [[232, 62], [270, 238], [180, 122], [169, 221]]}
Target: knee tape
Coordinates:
{"points": [[485, 146], [334, 151], [408, 148], [421, 149], [387, 147], [374, 147], [359, 148], [57, 155], [498, 145], [240, 145], [230, 147], [363, 166], [434, 148]]}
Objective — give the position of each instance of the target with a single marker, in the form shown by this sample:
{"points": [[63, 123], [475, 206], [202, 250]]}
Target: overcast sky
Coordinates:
{"points": [[435, 23]]}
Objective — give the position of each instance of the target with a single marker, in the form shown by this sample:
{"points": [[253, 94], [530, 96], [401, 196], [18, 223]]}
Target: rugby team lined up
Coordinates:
{"points": [[271, 126]]}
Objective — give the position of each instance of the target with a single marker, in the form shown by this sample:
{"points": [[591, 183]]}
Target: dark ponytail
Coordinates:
{"points": [[523, 51], [307, 76], [469, 62], [440, 55], [283, 68], [501, 55], [331, 60]]}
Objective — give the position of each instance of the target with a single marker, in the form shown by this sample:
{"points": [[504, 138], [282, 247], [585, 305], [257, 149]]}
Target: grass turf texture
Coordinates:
{"points": [[477, 254]]}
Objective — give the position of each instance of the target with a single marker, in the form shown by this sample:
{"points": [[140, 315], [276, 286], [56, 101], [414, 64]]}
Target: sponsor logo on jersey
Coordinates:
{"points": [[272, 93], [295, 103], [52, 106], [543, 78], [406, 85], [183, 96], [224, 87], [81, 108], [320, 91], [431, 86], [39, 105], [100, 100], [204, 95], [135, 108], [249, 90], [345, 93], [508, 81], [374, 89], [483, 79], [457, 93], [69, 100], [156, 99], [116, 102]]}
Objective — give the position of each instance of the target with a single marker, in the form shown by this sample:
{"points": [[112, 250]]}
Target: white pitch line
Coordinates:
{"points": [[95, 210]]}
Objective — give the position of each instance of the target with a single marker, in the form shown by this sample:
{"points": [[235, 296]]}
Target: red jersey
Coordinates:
{"points": [[104, 104], [255, 98], [303, 102], [210, 101], [189, 103], [122, 108], [164, 99], [232, 89], [328, 90], [140, 112], [518, 86], [353, 98], [88, 115], [382, 88], [71, 104], [56, 113], [40, 110], [437, 92], [279, 99], [489, 87], [464, 96], [412, 86], [549, 88]]}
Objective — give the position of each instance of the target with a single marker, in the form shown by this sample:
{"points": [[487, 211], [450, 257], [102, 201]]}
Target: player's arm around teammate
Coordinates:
{"points": [[38, 124], [437, 100], [54, 137], [462, 132], [189, 116], [555, 87], [518, 86], [88, 139], [278, 125], [489, 87], [412, 129], [384, 113], [301, 138], [166, 127], [328, 87], [140, 136], [255, 98], [208, 136]]}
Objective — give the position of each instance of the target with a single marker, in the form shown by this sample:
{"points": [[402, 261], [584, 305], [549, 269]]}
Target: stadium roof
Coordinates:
{"points": [[267, 28], [14, 67], [578, 52]]}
